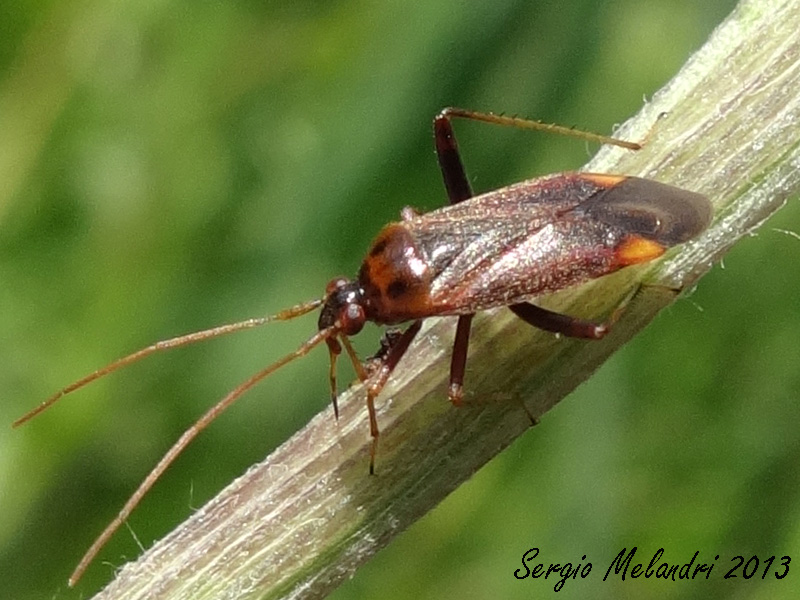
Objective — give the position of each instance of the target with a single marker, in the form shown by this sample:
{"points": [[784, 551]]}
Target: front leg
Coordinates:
{"points": [[378, 379]]}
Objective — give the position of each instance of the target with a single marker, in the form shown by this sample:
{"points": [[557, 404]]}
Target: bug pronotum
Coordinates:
{"points": [[501, 248]]}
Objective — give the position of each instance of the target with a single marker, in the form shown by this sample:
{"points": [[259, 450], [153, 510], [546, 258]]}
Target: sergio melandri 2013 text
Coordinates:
{"points": [[624, 567]]}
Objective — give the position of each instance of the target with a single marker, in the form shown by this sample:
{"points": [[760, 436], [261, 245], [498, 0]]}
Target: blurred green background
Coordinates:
{"points": [[170, 165]]}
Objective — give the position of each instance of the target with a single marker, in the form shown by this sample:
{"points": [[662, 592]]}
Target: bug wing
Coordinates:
{"points": [[562, 253], [547, 234]]}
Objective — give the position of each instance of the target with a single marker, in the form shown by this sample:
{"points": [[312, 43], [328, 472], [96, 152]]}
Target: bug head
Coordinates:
{"points": [[343, 307], [343, 314]]}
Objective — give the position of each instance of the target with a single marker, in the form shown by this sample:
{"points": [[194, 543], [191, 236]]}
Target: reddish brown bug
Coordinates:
{"points": [[502, 248]]}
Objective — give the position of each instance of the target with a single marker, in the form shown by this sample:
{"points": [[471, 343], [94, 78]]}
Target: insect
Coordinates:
{"points": [[502, 248]]}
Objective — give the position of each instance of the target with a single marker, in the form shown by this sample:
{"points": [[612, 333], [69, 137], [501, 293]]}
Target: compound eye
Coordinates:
{"points": [[352, 319], [335, 284]]}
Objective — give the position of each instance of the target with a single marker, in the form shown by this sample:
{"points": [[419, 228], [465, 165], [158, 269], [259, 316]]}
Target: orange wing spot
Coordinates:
{"points": [[635, 249], [603, 180]]}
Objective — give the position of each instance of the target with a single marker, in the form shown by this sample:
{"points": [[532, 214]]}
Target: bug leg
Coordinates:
{"points": [[558, 323], [379, 379], [455, 177], [361, 370], [388, 340], [570, 326], [458, 190], [334, 350], [458, 361], [499, 119]]}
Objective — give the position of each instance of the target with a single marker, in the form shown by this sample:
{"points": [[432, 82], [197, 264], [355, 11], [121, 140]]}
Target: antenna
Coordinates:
{"points": [[176, 342]]}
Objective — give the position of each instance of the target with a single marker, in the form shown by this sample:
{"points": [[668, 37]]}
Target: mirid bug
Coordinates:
{"points": [[502, 248]]}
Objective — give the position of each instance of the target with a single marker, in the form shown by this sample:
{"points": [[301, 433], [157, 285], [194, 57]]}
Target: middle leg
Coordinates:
{"points": [[458, 190]]}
